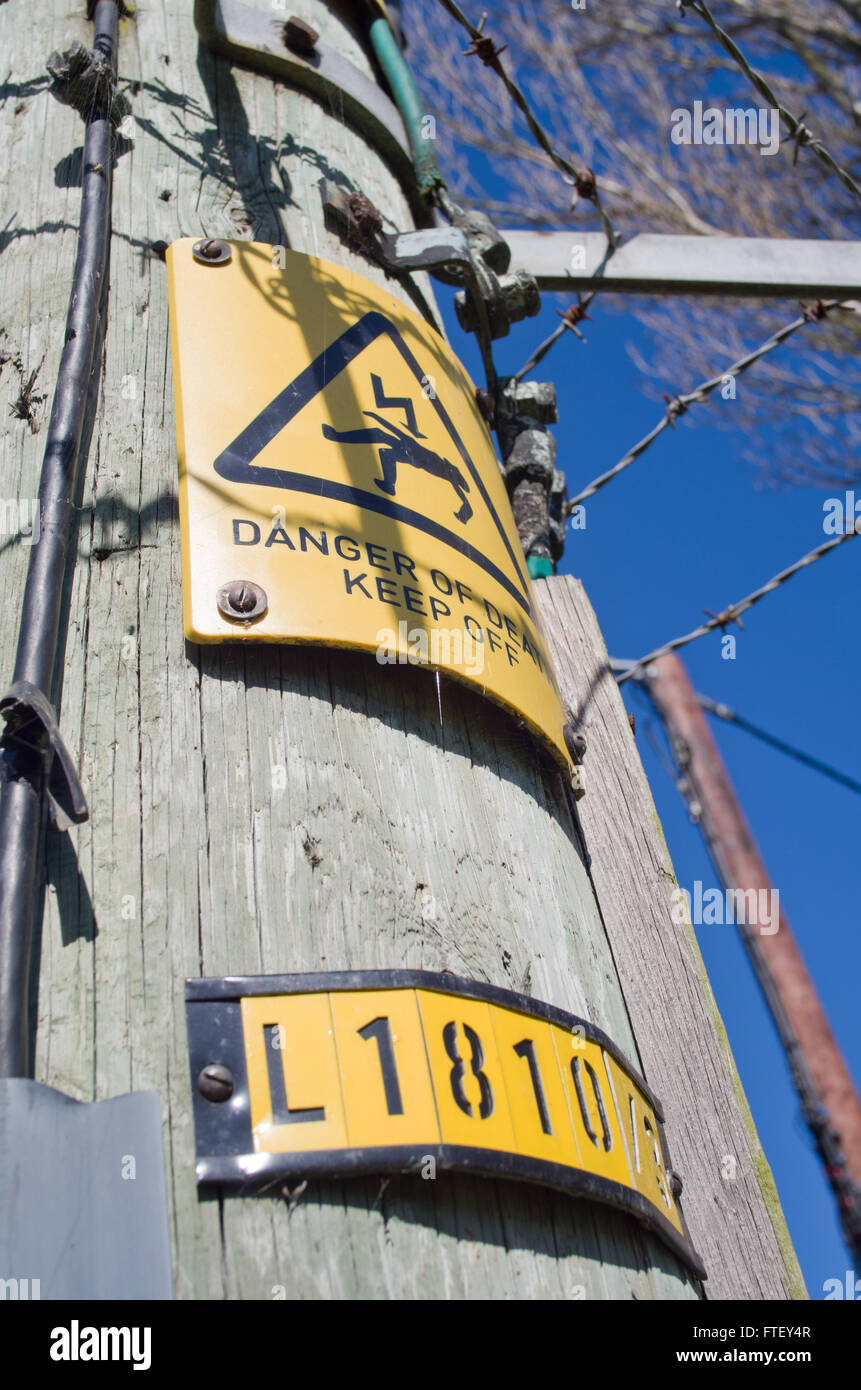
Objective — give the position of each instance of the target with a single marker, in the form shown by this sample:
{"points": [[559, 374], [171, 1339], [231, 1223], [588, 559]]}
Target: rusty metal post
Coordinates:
{"points": [[828, 1095]]}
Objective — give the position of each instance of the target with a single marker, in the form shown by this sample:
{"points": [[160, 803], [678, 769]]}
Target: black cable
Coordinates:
{"points": [[721, 711], [23, 765]]}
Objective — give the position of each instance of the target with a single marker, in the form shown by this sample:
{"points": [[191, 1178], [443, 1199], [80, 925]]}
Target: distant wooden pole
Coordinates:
{"points": [[828, 1094]]}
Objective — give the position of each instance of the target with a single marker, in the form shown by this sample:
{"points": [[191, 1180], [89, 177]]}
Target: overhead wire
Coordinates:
{"points": [[722, 711], [484, 47]]}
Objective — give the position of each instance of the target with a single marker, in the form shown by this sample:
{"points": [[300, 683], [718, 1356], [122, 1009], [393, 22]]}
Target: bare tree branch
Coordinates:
{"points": [[604, 83]]}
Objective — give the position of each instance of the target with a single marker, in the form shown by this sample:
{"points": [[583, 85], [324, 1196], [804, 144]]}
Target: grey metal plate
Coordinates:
{"points": [[71, 1215], [253, 38]]}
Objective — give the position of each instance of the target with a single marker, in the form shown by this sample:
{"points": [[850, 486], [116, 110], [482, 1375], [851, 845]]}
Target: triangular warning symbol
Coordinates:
{"points": [[409, 440], [361, 505]]}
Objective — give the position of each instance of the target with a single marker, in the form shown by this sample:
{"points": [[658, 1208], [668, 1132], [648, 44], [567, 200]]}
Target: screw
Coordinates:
{"points": [[485, 403], [300, 36], [242, 601], [574, 742], [241, 598], [215, 1082], [676, 1183], [211, 251]]}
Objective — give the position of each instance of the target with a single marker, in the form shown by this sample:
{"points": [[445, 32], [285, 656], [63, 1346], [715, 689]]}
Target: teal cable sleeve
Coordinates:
{"points": [[539, 567], [409, 103]]}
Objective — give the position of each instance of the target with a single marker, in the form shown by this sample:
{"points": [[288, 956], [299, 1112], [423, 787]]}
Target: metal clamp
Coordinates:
{"points": [[32, 729], [462, 254], [486, 243], [441, 251]]}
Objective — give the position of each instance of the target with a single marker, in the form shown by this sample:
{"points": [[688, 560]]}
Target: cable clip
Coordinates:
{"points": [[31, 733], [84, 80]]}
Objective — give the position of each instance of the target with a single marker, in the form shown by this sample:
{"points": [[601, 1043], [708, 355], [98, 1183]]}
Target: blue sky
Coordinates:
{"points": [[689, 527]]}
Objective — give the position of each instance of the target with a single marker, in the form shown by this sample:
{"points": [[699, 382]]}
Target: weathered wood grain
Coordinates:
{"points": [[730, 1200], [414, 826]]}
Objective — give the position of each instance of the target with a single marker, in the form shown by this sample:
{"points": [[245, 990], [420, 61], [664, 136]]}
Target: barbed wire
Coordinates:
{"points": [[802, 136], [722, 711], [677, 405], [570, 319], [626, 671], [585, 183]]}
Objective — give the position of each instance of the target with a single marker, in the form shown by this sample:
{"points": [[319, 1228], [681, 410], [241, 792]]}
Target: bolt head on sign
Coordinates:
{"points": [[315, 464]]}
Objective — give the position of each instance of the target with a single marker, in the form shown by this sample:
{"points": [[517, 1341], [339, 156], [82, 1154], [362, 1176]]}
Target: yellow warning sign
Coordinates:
{"points": [[338, 483]]}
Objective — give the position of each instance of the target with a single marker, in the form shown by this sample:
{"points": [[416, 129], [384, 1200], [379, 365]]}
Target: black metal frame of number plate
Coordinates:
{"points": [[224, 1144]]}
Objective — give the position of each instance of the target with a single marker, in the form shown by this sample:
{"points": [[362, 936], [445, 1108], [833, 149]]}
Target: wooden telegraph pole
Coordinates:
{"points": [[260, 809]]}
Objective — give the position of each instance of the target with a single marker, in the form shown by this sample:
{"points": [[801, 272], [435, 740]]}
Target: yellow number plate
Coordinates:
{"points": [[407, 1071], [331, 454]]}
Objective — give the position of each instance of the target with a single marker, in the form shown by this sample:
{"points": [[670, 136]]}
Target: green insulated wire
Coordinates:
{"points": [[403, 88]]}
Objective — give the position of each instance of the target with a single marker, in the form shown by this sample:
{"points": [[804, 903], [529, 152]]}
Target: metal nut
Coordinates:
{"points": [[485, 403], [242, 601], [522, 297], [575, 742], [532, 400], [299, 36], [511, 298], [210, 251], [216, 1082]]}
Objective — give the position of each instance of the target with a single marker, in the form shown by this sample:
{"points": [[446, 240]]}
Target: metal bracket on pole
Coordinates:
{"points": [[753, 267], [430, 249], [257, 40], [455, 255]]}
